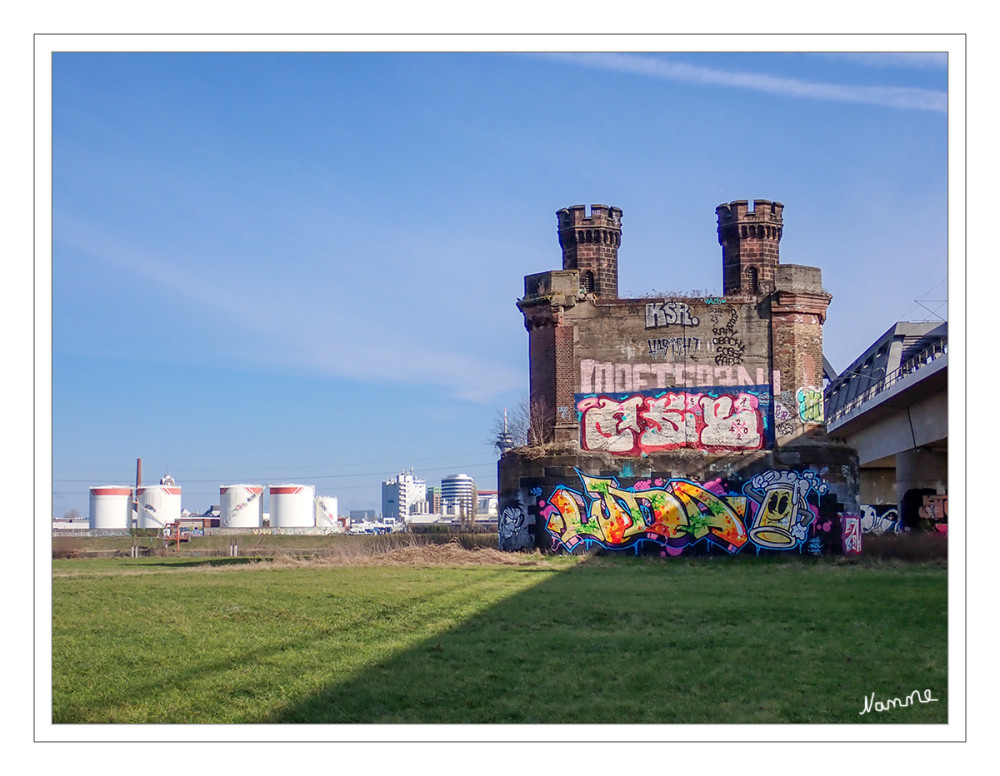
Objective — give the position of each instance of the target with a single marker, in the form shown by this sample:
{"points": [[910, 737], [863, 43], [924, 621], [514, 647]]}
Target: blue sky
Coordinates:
{"points": [[304, 267]]}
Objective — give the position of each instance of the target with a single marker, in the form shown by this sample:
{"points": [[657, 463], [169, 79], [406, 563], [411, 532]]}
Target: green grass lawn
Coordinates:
{"points": [[607, 640]]}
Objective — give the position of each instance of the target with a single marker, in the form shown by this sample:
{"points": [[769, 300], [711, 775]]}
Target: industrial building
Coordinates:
{"points": [[120, 509]]}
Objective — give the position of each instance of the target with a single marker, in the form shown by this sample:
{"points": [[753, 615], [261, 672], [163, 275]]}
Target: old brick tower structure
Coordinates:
{"points": [[590, 245], [681, 424], [749, 240]]}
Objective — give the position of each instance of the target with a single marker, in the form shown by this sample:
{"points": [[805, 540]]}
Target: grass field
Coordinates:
{"points": [[429, 637]]}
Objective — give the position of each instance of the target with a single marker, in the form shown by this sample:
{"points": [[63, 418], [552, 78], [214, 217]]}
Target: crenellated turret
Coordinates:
{"points": [[590, 245], [749, 240]]}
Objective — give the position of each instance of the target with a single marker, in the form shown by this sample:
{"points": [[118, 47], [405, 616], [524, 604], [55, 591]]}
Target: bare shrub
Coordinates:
{"points": [[529, 424], [66, 547]]}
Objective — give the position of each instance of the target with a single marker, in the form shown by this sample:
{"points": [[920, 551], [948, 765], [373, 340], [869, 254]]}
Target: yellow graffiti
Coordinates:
{"points": [[784, 516], [565, 520], [723, 518], [773, 525], [668, 514], [681, 512], [615, 511]]}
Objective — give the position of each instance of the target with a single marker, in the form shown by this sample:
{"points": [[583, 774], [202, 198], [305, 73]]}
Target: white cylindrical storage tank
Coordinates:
{"points": [[292, 506], [241, 506], [111, 507], [158, 505], [326, 512]]}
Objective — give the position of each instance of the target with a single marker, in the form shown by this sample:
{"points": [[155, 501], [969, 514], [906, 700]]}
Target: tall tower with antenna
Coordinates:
{"points": [[505, 441]]}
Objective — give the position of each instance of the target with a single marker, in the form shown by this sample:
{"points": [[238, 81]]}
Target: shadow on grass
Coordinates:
{"points": [[191, 674], [702, 640]]}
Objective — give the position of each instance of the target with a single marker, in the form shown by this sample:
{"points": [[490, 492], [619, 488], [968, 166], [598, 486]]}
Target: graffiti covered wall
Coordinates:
{"points": [[880, 519], [922, 510], [677, 423], [772, 511], [709, 419], [656, 376]]}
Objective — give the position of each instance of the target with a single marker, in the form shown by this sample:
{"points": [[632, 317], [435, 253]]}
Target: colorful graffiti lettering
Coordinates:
{"points": [[934, 508], [626, 377], [645, 423], [678, 513], [851, 534], [810, 405], [669, 313]]}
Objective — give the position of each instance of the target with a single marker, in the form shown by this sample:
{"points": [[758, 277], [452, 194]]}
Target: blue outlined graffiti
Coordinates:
{"points": [[675, 514]]}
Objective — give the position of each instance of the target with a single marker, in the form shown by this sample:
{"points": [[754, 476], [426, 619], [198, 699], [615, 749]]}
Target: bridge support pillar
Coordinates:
{"points": [[919, 473]]}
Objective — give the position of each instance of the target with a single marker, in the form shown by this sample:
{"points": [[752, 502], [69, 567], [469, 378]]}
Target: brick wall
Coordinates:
{"points": [[711, 391]]}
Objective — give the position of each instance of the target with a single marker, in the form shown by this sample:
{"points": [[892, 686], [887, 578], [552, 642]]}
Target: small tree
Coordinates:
{"points": [[71, 514], [527, 424]]}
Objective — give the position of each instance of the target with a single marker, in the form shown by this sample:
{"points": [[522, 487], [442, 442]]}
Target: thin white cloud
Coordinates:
{"points": [[890, 96], [923, 60], [295, 327]]}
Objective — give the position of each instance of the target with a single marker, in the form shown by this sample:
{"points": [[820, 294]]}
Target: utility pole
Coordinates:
{"points": [[135, 505]]}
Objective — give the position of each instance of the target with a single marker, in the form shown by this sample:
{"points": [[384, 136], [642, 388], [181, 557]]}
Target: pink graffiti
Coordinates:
{"points": [[643, 424], [851, 525], [625, 377]]}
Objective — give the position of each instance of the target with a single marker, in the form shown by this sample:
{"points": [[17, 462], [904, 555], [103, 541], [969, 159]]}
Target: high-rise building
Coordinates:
{"points": [[434, 500], [404, 494], [458, 494]]}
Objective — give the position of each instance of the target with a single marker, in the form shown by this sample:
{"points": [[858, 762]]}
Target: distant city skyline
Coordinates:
{"points": [[303, 267]]}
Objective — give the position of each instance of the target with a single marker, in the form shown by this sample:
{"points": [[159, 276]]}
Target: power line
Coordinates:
{"points": [[386, 462], [275, 478]]}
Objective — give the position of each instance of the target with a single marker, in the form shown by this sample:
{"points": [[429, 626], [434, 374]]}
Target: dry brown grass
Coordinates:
{"points": [[66, 547], [409, 553]]}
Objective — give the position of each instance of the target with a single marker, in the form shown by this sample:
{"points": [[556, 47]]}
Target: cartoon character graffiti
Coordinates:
{"points": [[512, 526], [782, 521]]}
